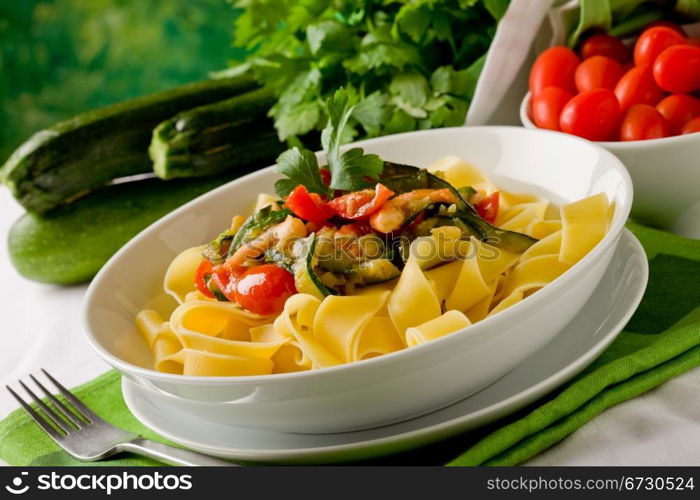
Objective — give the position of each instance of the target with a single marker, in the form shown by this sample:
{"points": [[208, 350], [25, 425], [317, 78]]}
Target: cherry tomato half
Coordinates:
{"points": [[555, 67], [201, 276], [547, 106], [602, 44], [643, 122], [487, 207], [677, 69], [223, 280], [691, 127], [667, 24], [263, 289], [360, 204], [598, 72], [637, 86], [653, 42], [678, 109], [308, 206], [592, 115]]}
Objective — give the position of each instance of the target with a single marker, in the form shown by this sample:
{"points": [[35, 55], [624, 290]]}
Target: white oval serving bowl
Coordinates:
{"points": [[666, 177], [388, 388]]}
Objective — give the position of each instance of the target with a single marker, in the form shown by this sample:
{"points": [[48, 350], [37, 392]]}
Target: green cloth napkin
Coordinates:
{"points": [[661, 341]]}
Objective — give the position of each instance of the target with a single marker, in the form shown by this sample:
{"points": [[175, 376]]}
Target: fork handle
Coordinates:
{"points": [[171, 455]]}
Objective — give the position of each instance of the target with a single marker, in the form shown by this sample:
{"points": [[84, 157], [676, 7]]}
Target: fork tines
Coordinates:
{"points": [[56, 424]]}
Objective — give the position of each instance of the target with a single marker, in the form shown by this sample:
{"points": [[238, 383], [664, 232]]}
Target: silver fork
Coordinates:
{"points": [[86, 437]]}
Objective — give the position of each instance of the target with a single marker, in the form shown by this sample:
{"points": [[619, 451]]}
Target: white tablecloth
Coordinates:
{"points": [[41, 329]]}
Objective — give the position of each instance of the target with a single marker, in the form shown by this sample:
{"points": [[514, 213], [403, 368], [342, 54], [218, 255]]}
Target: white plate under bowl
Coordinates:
{"points": [[592, 330]]}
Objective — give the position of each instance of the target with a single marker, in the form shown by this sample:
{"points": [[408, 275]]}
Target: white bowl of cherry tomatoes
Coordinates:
{"points": [[640, 99]]}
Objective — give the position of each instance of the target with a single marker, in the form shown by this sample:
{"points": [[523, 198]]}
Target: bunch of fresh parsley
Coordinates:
{"points": [[406, 64], [350, 171]]}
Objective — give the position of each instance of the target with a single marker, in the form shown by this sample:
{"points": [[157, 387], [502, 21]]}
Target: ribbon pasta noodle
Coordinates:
{"points": [[449, 280]]}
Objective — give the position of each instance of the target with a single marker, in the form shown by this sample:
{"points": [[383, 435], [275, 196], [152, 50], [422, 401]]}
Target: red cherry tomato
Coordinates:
{"points": [[637, 86], [547, 106], [643, 122], [592, 115], [201, 276], [487, 207], [691, 127], [695, 42], [308, 206], [555, 67], [224, 280], [602, 44], [653, 42], [263, 289], [360, 204], [677, 69], [598, 72], [678, 109], [667, 24]]}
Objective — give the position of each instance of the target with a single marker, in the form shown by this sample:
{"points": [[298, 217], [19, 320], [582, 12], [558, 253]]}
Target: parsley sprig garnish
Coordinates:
{"points": [[350, 170]]}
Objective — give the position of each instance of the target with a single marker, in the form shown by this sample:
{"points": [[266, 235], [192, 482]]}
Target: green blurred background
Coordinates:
{"points": [[62, 57]]}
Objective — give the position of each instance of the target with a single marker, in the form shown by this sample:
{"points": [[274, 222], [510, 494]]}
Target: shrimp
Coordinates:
{"points": [[289, 228], [398, 210]]}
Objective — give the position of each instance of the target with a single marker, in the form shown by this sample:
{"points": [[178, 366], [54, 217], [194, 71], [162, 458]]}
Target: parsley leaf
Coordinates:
{"points": [[407, 64], [300, 167], [350, 169], [411, 87], [372, 112], [297, 120], [328, 36]]}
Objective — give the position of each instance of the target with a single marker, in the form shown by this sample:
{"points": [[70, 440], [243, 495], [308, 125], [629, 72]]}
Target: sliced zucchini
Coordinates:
{"points": [[217, 249], [501, 238], [375, 271], [305, 278], [274, 256], [345, 260], [466, 192], [401, 178], [256, 224]]}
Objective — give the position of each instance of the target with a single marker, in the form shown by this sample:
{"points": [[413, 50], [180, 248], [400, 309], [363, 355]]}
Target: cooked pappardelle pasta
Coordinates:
{"points": [[310, 281]]}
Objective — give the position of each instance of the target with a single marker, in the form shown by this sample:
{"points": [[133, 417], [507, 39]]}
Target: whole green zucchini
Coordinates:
{"points": [[87, 151], [216, 137], [71, 243]]}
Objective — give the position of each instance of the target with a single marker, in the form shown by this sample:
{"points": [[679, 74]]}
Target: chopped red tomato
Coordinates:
{"points": [[263, 289], [487, 207], [308, 206], [201, 276], [360, 204]]}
